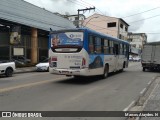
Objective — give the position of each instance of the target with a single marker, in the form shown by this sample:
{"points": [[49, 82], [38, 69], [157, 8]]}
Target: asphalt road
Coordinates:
{"points": [[41, 91]]}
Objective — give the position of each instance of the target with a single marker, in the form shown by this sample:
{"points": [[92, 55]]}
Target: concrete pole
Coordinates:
{"points": [[34, 45]]}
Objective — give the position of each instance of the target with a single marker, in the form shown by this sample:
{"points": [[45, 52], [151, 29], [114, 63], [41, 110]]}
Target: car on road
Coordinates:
{"points": [[7, 68], [130, 58], [137, 59], [43, 66]]}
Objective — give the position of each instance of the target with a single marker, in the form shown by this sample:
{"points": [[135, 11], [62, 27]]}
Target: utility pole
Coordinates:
{"points": [[79, 10]]}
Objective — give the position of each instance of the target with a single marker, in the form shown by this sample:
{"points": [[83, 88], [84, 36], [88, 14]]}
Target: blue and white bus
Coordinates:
{"points": [[84, 52]]}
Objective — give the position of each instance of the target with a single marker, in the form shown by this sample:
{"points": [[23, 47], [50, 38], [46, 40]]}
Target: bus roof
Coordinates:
{"points": [[94, 32]]}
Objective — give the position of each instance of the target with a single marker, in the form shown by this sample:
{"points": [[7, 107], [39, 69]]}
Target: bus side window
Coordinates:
{"points": [[125, 50], [121, 48], [111, 47], [98, 45], [106, 46], [116, 48], [91, 44]]}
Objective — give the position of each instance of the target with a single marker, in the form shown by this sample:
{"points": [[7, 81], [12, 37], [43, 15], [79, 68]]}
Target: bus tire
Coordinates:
{"points": [[105, 74]]}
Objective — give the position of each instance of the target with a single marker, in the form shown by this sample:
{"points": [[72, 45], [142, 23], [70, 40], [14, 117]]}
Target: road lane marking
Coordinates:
{"points": [[143, 91], [29, 84], [149, 82], [129, 106]]}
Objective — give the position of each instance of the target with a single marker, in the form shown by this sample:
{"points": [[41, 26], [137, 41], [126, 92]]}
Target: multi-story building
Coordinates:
{"points": [[137, 40], [112, 26]]}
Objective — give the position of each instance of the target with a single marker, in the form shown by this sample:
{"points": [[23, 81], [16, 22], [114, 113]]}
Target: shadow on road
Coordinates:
{"points": [[152, 70], [85, 80]]}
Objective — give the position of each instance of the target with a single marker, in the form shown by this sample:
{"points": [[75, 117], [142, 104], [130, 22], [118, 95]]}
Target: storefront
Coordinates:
{"points": [[24, 30]]}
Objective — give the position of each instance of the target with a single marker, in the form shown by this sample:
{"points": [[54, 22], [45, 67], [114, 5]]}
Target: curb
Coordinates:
{"points": [[138, 103], [25, 70]]}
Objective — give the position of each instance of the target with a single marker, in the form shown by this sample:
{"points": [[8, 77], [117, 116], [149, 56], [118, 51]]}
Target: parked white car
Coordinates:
{"points": [[137, 59], [7, 68], [43, 66]]}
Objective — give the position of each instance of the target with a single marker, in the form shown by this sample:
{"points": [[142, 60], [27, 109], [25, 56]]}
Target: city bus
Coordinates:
{"points": [[84, 52]]}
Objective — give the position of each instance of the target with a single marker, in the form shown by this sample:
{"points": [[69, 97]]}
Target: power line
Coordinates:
{"points": [[117, 30], [132, 15], [129, 15], [142, 12], [145, 19], [94, 6], [79, 10], [148, 33], [88, 4], [85, 3], [78, 3], [152, 33], [134, 21], [103, 28]]}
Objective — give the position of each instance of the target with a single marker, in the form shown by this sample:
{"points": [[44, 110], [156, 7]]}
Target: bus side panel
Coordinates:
{"points": [[96, 64], [110, 60], [121, 61]]}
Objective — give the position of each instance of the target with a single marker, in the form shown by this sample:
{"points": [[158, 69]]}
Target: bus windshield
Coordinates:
{"points": [[67, 39]]}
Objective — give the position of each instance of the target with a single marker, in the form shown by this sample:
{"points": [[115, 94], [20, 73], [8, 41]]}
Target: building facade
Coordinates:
{"points": [[112, 26], [26, 27], [74, 19], [137, 40]]}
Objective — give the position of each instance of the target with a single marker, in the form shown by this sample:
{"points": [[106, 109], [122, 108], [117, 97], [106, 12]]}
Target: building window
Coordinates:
{"points": [[126, 29], [121, 25], [120, 36], [112, 24]]}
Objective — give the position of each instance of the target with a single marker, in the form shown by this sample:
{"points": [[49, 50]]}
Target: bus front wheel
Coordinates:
{"points": [[106, 69]]}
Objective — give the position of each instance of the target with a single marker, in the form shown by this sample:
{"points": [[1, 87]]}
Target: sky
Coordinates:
{"points": [[143, 16]]}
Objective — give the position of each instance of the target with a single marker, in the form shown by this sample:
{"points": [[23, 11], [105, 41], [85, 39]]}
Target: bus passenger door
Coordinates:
{"points": [[116, 56]]}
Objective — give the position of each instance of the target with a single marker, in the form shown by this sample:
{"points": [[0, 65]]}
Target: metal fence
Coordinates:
{"points": [[6, 49]]}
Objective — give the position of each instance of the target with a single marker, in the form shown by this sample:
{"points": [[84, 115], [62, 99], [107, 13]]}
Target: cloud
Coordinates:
{"points": [[60, 6], [135, 22], [113, 8]]}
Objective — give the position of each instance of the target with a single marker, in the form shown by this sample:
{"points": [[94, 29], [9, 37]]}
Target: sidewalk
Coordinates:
{"points": [[25, 69], [153, 101]]}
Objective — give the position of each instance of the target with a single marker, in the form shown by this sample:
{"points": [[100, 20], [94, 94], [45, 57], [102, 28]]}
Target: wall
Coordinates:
{"points": [[99, 23]]}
